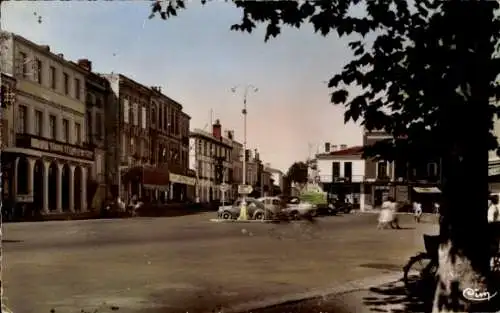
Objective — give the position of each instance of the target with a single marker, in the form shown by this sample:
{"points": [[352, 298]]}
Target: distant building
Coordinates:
{"points": [[209, 146], [342, 173]]}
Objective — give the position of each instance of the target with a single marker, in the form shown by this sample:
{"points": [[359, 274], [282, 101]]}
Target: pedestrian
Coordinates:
{"points": [[493, 210], [436, 207], [386, 216], [391, 205], [417, 211]]}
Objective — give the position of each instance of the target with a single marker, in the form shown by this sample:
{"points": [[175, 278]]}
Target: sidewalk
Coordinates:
{"points": [[384, 296]]}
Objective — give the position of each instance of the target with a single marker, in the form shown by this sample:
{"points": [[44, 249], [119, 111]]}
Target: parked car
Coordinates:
{"points": [[255, 210], [337, 206], [274, 207], [297, 209]]}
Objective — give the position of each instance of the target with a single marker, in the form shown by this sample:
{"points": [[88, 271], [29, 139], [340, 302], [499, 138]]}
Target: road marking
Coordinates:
{"points": [[5, 309]]}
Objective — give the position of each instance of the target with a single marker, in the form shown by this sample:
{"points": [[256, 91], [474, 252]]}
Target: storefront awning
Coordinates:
{"points": [[149, 176], [427, 189]]}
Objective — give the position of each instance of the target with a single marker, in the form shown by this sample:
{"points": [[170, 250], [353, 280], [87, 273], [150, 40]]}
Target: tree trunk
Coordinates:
{"points": [[464, 252]]}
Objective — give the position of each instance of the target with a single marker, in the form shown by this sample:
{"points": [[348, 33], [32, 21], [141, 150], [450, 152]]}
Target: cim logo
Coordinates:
{"points": [[475, 294]]}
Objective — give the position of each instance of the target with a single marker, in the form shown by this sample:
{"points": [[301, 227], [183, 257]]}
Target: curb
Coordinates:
{"points": [[351, 286], [217, 220]]}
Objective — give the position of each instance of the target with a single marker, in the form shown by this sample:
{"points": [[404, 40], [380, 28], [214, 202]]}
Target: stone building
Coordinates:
{"points": [[46, 157], [98, 99], [130, 168], [208, 147], [169, 133]]}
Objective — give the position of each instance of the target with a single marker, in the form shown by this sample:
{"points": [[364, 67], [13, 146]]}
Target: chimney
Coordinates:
{"points": [[230, 134], [343, 147], [60, 55], [46, 47], [86, 64], [327, 147], [333, 148], [217, 129], [256, 154]]}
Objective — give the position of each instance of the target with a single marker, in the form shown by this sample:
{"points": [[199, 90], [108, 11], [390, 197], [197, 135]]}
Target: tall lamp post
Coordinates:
{"points": [[246, 89]]}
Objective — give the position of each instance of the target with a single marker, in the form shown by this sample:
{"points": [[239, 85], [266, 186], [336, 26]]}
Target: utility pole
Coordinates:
{"points": [[243, 209]]}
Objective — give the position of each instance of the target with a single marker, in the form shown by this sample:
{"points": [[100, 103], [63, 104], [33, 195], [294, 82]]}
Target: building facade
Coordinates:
{"points": [[98, 99], [47, 156], [169, 133], [211, 148], [236, 173], [127, 137], [341, 173], [401, 179]]}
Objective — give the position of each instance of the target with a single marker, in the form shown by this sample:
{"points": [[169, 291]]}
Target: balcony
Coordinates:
{"points": [[339, 179]]}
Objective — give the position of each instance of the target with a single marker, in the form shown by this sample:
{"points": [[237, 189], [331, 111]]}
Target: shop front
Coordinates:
{"points": [[179, 187], [148, 183]]}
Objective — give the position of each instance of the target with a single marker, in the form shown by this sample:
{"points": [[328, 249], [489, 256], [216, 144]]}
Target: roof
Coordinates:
{"points": [[351, 151]]}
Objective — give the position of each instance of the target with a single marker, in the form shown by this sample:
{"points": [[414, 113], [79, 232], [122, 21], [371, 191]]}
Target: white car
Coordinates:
{"points": [[297, 209]]}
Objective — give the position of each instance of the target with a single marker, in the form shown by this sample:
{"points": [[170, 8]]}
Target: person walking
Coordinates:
{"points": [[390, 204], [417, 211]]}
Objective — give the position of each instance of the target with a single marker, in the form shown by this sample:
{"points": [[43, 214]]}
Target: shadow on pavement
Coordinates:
{"points": [[392, 298]]}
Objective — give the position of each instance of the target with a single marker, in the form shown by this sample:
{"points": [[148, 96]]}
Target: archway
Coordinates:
{"points": [[38, 187], [53, 171], [65, 181], [22, 176], [78, 188]]}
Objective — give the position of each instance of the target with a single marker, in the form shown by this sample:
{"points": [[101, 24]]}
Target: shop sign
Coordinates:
{"points": [[60, 148], [180, 179]]}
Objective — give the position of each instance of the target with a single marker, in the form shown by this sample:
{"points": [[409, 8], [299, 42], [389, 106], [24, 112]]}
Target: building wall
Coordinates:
{"points": [[206, 146], [325, 169]]}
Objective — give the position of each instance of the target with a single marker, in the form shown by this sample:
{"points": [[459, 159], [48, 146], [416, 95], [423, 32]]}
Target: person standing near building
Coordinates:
{"points": [[493, 210], [417, 211]]}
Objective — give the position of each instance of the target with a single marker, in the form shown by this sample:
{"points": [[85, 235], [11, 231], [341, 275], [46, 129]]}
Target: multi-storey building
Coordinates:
{"points": [[341, 173], [169, 133], [47, 155], [276, 176], [98, 100], [210, 148], [7, 103], [236, 173], [127, 138]]}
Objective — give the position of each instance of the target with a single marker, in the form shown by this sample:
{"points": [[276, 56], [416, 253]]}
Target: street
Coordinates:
{"points": [[189, 264]]}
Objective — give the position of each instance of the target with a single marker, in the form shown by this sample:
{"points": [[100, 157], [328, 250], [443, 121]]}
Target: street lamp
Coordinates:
{"points": [[246, 89]]}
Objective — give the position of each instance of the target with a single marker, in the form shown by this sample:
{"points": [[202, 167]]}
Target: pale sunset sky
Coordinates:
{"points": [[196, 60]]}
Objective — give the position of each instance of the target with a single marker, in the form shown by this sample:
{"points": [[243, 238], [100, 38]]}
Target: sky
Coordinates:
{"points": [[197, 59]]}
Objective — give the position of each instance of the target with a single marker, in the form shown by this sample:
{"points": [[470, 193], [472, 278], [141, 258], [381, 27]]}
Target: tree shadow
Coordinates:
{"points": [[393, 298]]}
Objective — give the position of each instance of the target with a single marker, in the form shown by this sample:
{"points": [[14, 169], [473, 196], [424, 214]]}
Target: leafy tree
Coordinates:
{"points": [[428, 78], [297, 173]]}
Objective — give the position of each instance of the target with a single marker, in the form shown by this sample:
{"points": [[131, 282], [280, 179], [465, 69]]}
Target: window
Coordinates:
{"points": [[77, 89], [98, 125], [132, 145], [126, 110], [78, 133], [153, 117], [53, 127], [160, 118], [24, 63], [432, 169], [65, 128], [382, 169], [39, 71], [38, 123], [136, 114], [90, 129], [53, 77], [22, 119], [143, 117], [66, 83], [335, 170], [348, 170]]}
